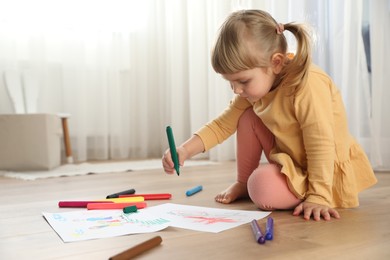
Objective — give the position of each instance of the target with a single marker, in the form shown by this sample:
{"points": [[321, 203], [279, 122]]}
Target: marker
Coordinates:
{"points": [[116, 195], [172, 148], [84, 203], [194, 190], [257, 232], [138, 249], [94, 206], [78, 204], [129, 199], [130, 209], [269, 229], [155, 196]]}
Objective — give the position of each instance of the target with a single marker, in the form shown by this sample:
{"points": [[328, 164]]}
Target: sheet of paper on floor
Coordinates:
{"points": [[92, 224], [83, 225], [203, 218]]}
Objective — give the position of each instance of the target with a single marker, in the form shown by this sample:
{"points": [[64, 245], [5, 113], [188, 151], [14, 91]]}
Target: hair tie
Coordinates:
{"points": [[279, 28]]}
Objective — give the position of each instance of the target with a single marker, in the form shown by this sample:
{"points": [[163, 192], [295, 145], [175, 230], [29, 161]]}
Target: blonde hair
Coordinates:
{"points": [[249, 38]]}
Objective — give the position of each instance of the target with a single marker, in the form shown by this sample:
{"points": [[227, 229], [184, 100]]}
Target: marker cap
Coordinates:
{"points": [[130, 209]]}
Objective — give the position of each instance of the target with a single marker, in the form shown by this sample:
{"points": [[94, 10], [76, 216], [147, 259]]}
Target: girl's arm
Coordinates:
{"points": [[315, 111], [225, 125], [213, 133]]}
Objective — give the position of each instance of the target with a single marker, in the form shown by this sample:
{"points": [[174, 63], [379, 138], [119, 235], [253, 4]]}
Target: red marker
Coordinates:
{"points": [[78, 204], [155, 196], [92, 206]]}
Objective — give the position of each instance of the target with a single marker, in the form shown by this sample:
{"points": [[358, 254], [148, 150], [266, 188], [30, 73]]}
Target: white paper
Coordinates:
{"points": [[202, 218], [93, 224]]}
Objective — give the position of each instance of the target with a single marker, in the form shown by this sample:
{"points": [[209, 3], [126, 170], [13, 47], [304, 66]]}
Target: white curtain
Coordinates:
{"points": [[380, 55], [125, 69]]}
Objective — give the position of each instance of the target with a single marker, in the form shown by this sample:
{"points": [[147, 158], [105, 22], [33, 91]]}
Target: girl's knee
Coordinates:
{"points": [[260, 186], [268, 189]]}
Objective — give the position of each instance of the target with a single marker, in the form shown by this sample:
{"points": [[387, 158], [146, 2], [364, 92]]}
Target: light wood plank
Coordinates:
{"points": [[361, 233]]}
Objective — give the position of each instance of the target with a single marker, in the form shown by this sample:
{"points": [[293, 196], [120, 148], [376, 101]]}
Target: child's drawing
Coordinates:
{"points": [[92, 224], [204, 219]]}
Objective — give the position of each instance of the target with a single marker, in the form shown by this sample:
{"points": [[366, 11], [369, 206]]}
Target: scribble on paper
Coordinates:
{"points": [[84, 225], [202, 217]]}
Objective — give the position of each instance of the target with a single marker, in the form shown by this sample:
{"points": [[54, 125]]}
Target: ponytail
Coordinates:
{"points": [[294, 74]]}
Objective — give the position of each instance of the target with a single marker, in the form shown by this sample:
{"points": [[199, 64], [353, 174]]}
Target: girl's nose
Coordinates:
{"points": [[236, 89]]}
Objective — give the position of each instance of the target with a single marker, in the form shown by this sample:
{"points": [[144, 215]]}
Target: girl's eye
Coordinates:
{"points": [[243, 82]]}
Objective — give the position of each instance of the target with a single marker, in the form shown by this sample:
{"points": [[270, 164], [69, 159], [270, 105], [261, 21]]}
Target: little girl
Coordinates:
{"points": [[289, 109]]}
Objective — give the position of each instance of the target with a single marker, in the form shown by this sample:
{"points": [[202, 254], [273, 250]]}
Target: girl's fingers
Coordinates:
{"points": [[317, 214], [315, 210], [298, 210], [307, 213], [334, 213], [167, 163], [326, 215]]}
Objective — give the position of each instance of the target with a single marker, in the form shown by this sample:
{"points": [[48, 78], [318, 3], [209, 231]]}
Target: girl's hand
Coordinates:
{"points": [[167, 161], [308, 209]]}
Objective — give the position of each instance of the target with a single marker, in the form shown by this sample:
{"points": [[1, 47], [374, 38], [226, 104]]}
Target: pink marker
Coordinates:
{"points": [[78, 204]]}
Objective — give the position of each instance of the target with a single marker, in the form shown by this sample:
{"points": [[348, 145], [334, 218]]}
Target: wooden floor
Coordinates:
{"points": [[361, 233]]}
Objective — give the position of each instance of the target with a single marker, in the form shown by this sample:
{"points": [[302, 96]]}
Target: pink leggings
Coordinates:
{"points": [[267, 186]]}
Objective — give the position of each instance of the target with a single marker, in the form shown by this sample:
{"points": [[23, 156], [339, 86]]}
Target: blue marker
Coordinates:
{"points": [[194, 190], [269, 229]]}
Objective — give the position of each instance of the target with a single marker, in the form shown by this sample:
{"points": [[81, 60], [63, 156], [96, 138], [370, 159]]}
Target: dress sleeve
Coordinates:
{"points": [[313, 106], [222, 127]]}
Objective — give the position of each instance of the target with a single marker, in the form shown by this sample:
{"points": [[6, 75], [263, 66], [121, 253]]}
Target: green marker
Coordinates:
{"points": [[172, 147]]}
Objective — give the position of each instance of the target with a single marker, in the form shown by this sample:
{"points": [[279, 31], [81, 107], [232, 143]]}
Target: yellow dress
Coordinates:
{"points": [[322, 161]]}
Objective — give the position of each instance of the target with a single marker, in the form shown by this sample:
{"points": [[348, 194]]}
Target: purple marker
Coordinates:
{"points": [[257, 232], [269, 229]]}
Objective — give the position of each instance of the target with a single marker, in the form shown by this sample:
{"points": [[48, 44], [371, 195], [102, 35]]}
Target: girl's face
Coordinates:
{"points": [[251, 84]]}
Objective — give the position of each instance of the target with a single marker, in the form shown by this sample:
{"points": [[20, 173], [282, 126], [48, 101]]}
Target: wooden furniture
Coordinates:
{"points": [[23, 90], [361, 233], [65, 131]]}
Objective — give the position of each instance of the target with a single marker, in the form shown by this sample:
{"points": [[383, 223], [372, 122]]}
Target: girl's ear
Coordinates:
{"points": [[277, 62]]}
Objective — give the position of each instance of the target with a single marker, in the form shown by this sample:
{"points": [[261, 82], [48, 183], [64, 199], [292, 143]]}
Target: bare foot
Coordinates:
{"points": [[235, 191]]}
